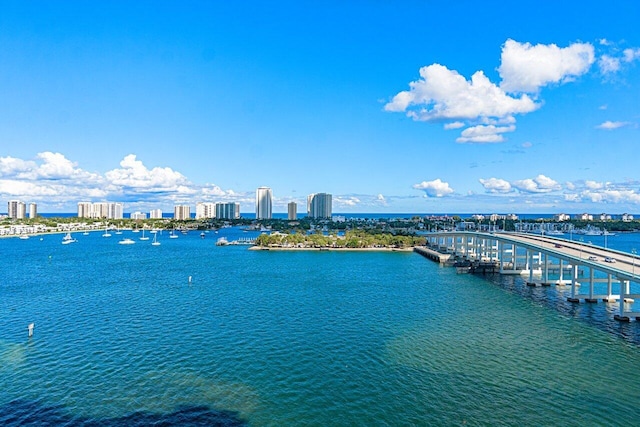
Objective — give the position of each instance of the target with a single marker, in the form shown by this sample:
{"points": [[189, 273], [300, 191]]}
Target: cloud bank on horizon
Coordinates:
{"points": [[488, 110], [59, 183]]}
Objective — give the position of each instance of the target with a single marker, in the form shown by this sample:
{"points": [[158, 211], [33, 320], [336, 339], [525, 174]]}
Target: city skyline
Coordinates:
{"points": [[155, 105]]}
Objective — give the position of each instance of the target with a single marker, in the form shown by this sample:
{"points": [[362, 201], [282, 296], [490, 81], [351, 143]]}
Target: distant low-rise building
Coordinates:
{"points": [[584, 217], [561, 217], [605, 217], [626, 217]]}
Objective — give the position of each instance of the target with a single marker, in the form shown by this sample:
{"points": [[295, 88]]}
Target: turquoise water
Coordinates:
{"points": [[122, 337]]}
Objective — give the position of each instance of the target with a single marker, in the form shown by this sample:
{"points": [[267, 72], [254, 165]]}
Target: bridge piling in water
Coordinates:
{"points": [[532, 255]]}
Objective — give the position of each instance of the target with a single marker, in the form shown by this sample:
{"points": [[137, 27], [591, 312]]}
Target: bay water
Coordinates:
{"points": [[190, 333]]}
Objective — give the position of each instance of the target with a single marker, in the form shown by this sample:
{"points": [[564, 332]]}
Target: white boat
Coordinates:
{"points": [[155, 240], [555, 233], [126, 241], [143, 236], [24, 237], [86, 233], [222, 241], [173, 235], [68, 239], [106, 233]]}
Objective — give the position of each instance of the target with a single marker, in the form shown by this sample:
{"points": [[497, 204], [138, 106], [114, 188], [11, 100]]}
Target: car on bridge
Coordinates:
{"points": [[593, 258], [609, 259]]}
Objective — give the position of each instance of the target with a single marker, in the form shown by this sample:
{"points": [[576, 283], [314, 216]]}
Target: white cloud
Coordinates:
{"points": [[527, 68], [444, 94], [381, 200], [133, 174], [539, 184], [603, 107], [346, 201], [527, 144], [496, 185], [484, 134], [608, 64], [609, 125], [454, 125], [604, 42], [435, 188], [631, 54], [593, 185]]}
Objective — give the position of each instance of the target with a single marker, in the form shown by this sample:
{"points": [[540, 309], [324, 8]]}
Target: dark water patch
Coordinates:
{"points": [[23, 413]]}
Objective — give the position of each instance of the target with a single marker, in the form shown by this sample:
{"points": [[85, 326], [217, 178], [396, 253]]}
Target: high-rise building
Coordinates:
{"points": [[263, 203], [182, 212], [108, 210], [138, 215], [33, 210], [205, 210], [227, 210], [292, 211], [155, 214], [85, 210], [16, 209], [319, 205]]}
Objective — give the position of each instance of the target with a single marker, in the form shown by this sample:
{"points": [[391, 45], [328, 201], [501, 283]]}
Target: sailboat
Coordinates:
{"points": [[68, 239], [155, 240], [143, 236], [106, 232], [173, 235]]}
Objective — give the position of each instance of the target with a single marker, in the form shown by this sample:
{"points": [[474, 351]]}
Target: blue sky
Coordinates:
{"points": [[413, 106]]}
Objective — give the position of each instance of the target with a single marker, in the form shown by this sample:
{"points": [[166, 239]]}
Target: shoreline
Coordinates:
{"points": [[279, 248]]}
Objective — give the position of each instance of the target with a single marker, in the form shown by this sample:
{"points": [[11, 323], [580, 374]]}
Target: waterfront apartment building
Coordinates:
{"points": [[138, 215], [33, 210], [229, 210], [155, 214], [319, 205], [109, 210], [292, 211], [16, 209], [205, 210], [263, 203], [182, 212]]}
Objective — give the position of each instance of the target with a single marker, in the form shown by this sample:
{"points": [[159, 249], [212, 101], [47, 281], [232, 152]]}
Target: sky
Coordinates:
{"points": [[390, 106]]}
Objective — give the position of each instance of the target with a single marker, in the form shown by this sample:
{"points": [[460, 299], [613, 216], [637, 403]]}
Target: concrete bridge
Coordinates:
{"points": [[538, 257]]}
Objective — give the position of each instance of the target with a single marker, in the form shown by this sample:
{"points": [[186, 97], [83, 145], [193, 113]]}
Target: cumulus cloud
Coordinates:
{"points": [[444, 95], [539, 184], [484, 134], [609, 125], [527, 68], [54, 180], [496, 185], [435, 188], [381, 200]]}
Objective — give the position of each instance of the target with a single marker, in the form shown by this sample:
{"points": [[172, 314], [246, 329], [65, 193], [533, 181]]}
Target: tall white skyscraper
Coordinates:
{"points": [[155, 214], [33, 210], [319, 205], [263, 203], [108, 210]]}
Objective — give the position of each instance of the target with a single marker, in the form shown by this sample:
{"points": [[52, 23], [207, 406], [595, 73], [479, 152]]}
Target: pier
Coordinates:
{"points": [[591, 271]]}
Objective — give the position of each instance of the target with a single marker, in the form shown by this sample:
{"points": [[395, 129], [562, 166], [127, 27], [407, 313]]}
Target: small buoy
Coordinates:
{"points": [[30, 328]]}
